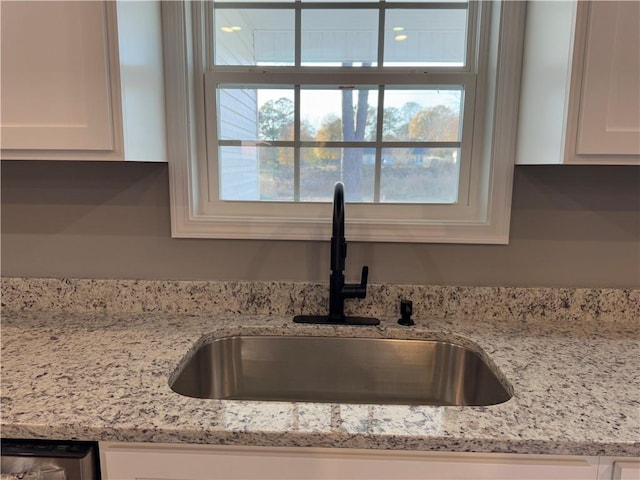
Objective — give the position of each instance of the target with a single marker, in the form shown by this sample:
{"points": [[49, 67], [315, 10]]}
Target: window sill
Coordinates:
{"points": [[259, 228]]}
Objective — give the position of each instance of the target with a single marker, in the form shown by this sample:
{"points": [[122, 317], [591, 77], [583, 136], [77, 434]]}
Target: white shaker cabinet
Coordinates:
{"points": [[580, 98], [122, 461], [604, 107], [59, 71], [66, 88]]}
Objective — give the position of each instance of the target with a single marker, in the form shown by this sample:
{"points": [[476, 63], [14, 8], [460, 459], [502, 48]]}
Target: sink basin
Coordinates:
{"points": [[339, 370]]}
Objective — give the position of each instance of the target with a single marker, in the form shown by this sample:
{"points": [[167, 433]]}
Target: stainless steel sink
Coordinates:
{"points": [[339, 370]]}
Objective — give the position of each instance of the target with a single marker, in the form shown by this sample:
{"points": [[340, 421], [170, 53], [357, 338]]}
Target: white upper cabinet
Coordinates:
{"points": [[580, 99], [609, 94], [57, 72], [64, 93]]}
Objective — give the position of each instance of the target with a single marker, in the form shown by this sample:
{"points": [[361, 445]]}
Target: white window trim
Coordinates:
{"points": [[185, 60]]}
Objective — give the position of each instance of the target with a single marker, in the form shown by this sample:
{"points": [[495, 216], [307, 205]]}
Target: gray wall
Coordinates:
{"points": [[571, 226]]}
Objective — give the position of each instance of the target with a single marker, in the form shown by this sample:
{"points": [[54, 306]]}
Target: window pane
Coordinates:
{"points": [[237, 113], [256, 173], [422, 115], [340, 37], [275, 114], [321, 168], [425, 37], [254, 36], [323, 115], [255, 113], [419, 175]]}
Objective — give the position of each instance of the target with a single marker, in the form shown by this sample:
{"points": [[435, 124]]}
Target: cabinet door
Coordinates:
{"points": [[608, 120], [57, 89], [626, 470], [192, 462], [619, 468], [580, 101]]}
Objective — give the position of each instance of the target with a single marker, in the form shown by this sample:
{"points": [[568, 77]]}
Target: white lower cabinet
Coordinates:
{"points": [[128, 461]]}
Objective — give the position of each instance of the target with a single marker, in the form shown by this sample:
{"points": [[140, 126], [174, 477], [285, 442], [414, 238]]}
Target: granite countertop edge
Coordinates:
{"points": [[105, 377]]}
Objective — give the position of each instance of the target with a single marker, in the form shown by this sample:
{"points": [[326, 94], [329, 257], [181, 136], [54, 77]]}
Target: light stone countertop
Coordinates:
{"points": [[104, 376]]}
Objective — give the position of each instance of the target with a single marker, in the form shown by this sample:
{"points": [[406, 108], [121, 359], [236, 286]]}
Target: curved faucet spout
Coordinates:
{"points": [[338, 289]]}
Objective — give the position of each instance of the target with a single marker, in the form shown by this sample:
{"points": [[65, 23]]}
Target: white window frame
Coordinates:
{"points": [[484, 219]]}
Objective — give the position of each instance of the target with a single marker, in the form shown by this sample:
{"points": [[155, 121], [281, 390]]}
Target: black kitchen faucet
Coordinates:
{"points": [[338, 289]]}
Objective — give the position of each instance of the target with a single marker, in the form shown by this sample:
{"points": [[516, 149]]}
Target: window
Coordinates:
{"points": [[395, 99]]}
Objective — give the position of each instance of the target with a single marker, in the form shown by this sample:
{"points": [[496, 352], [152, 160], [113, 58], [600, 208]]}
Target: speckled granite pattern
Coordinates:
{"points": [[104, 376], [288, 298]]}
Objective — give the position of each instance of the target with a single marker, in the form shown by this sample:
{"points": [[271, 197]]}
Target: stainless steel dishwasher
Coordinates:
{"points": [[48, 460]]}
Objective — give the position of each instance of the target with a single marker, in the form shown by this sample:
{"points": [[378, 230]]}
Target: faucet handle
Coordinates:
{"points": [[364, 278], [361, 290], [354, 290]]}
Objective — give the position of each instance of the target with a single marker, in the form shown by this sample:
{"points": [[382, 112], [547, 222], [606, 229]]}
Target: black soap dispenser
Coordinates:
{"points": [[406, 310]]}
